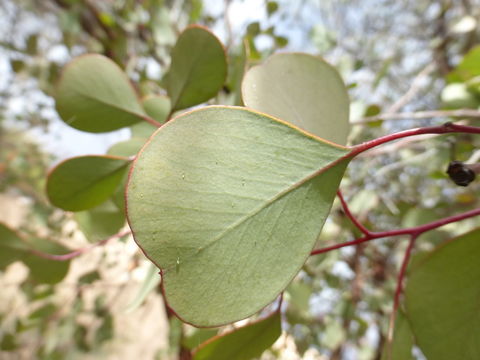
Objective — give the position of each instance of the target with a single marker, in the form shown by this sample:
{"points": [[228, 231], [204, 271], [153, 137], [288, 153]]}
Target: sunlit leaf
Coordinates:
{"points": [[95, 95], [84, 182], [198, 69], [442, 300], [301, 89], [245, 343], [229, 203]]}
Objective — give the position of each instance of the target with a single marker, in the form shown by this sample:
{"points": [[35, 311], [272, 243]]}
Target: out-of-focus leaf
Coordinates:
{"points": [[468, 68], [198, 337], [245, 343], [442, 297], [11, 246], [402, 344], [157, 107], [84, 182], [100, 222], [126, 148], [43, 270]]}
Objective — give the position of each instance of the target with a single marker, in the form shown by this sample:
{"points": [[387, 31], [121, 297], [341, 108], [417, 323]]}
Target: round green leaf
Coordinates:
{"points": [[246, 343], [301, 89], [229, 203], [95, 95], [84, 182], [157, 107], [198, 70], [11, 246], [442, 300]]}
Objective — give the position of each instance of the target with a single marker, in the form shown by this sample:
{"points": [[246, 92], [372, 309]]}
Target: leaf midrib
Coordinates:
{"points": [[266, 204]]}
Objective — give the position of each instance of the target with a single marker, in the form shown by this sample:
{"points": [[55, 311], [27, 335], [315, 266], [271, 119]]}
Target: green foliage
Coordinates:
{"points": [[214, 188], [245, 343], [198, 70], [442, 297], [84, 182], [95, 95], [303, 90]]}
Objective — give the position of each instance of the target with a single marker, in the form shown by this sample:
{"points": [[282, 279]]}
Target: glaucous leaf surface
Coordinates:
{"points": [[83, 182], [95, 95], [442, 300], [303, 90], [229, 202], [245, 343], [198, 70], [157, 107]]}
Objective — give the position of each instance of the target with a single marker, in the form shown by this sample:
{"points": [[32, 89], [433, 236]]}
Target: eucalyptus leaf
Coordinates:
{"points": [[229, 202], [442, 300], [157, 107], [83, 182], [198, 70], [95, 95], [301, 89]]}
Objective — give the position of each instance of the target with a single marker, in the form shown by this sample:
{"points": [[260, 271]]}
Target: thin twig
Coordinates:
{"points": [[415, 87], [398, 293], [78, 252], [429, 114], [349, 214]]}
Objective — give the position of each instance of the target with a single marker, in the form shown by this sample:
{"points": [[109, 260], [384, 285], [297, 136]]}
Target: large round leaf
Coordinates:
{"points": [[95, 95], [198, 69], [229, 203], [443, 300], [301, 89], [84, 182]]}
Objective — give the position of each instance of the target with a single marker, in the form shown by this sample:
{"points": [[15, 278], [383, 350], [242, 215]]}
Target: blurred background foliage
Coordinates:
{"points": [[395, 56]]}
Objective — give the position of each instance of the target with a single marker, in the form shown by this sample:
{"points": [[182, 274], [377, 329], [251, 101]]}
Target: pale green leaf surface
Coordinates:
{"points": [[198, 70], [442, 300], [229, 203], [84, 182], [245, 343], [303, 90], [95, 95], [157, 107]]}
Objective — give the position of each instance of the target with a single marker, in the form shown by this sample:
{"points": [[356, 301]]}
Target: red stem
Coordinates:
{"points": [[398, 291], [413, 231], [442, 129], [349, 214], [71, 255]]}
